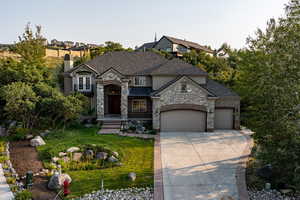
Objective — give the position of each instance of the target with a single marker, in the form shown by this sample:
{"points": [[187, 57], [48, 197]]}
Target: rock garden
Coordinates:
{"points": [[88, 161]]}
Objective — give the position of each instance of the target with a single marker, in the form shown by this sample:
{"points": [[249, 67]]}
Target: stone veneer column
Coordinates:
{"points": [[100, 100], [124, 99], [210, 124], [156, 113]]}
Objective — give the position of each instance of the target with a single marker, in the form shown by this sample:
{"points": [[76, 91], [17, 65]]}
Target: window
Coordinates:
{"points": [[139, 105], [84, 83], [183, 88], [80, 83], [140, 81]]}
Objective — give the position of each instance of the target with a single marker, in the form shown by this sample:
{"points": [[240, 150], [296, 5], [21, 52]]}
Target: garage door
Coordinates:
{"points": [[183, 120], [223, 118]]}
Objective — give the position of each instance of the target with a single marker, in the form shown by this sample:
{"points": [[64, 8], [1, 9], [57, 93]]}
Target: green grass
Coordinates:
{"points": [[136, 156]]}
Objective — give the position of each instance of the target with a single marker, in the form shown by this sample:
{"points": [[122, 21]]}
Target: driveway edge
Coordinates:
{"points": [[158, 176], [241, 169]]}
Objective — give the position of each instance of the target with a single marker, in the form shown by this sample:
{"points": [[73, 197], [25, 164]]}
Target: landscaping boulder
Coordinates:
{"points": [[62, 154], [77, 156], [55, 159], [57, 180], [115, 154], [140, 129], [89, 154], [37, 141], [132, 176], [112, 159], [73, 149], [3, 131], [101, 155], [45, 133], [29, 137]]}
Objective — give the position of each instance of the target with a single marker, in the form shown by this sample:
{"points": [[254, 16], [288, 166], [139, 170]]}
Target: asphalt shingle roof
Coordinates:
{"points": [[148, 45], [142, 63], [177, 67], [214, 88], [189, 44], [218, 89]]}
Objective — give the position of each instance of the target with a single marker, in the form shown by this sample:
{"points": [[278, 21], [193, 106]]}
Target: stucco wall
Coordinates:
{"points": [[62, 53], [68, 88], [158, 81], [148, 81]]}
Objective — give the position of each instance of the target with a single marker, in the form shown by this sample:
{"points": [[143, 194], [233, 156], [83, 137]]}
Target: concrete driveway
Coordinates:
{"points": [[201, 165]]}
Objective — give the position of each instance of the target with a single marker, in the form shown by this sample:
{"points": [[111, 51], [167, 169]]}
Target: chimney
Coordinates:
{"points": [[68, 62]]}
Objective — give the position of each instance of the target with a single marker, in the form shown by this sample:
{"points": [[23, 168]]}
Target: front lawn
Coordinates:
{"points": [[136, 156]]}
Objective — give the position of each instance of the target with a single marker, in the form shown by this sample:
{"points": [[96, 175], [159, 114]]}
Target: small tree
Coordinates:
{"points": [[31, 46], [20, 102]]}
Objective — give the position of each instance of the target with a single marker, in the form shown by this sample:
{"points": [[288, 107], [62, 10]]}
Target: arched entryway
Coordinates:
{"points": [[112, 100]]}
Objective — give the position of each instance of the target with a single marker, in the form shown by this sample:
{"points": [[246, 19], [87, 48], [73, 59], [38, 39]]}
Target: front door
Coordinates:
{"points": [[114, 104]]}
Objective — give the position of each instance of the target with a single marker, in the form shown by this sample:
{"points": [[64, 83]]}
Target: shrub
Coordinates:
{"points": [[3, 159], [19, 134], [11, 180], [152, 132], [132, 128], [23, 195]]}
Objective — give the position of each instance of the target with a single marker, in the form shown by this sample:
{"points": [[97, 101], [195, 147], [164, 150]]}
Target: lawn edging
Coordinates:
{"points": [[241, 169], [158, 176]]}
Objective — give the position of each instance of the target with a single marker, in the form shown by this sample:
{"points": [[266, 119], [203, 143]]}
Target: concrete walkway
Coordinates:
{"points": [[201, 166], [5, 193]]}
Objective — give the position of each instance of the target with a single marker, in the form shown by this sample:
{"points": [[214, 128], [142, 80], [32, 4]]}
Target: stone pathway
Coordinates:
{"points": [[202, 166], [5, 193]]}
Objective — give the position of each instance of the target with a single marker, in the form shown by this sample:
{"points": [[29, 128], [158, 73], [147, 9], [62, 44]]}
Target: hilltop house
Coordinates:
{"points": [[175, 46], [144, 86]]}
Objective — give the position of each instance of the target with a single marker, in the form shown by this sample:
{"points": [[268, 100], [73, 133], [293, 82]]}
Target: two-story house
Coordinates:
{"points": [[175, 46], [170, 94]]}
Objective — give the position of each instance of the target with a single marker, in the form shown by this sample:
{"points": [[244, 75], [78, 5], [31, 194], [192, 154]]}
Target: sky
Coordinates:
{"points": [[134, 22]]}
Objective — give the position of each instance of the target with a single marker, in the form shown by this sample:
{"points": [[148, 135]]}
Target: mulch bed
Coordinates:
{"points": [[24, 158]]}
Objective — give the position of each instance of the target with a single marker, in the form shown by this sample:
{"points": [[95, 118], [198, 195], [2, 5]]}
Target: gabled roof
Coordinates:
{"points": [[156, 92], [148, 45], [188, 44], [140, 63], [213, 88]]}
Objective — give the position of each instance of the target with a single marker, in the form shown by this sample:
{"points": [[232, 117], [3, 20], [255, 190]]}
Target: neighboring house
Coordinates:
{"points": [[175, 46], [170, 94]]}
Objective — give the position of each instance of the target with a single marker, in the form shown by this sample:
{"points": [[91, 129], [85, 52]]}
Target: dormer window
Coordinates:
{"points": [[140, 81], [84, 83]]}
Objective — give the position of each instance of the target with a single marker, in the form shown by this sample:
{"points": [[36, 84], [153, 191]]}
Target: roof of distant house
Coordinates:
{"points": [[188, 44], [148, 45]]}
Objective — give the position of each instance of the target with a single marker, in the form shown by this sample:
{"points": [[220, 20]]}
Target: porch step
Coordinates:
{"points": [[110, 127]]}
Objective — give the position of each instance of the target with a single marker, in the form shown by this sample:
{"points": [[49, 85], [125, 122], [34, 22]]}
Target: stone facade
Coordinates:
{"points": [[173, 95], [100, 100], [124, 99], [111, 76], [107, 78]]}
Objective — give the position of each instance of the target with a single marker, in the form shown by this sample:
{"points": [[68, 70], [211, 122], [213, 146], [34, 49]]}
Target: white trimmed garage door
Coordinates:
{"points": [[223, 118], [183, 121]]}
